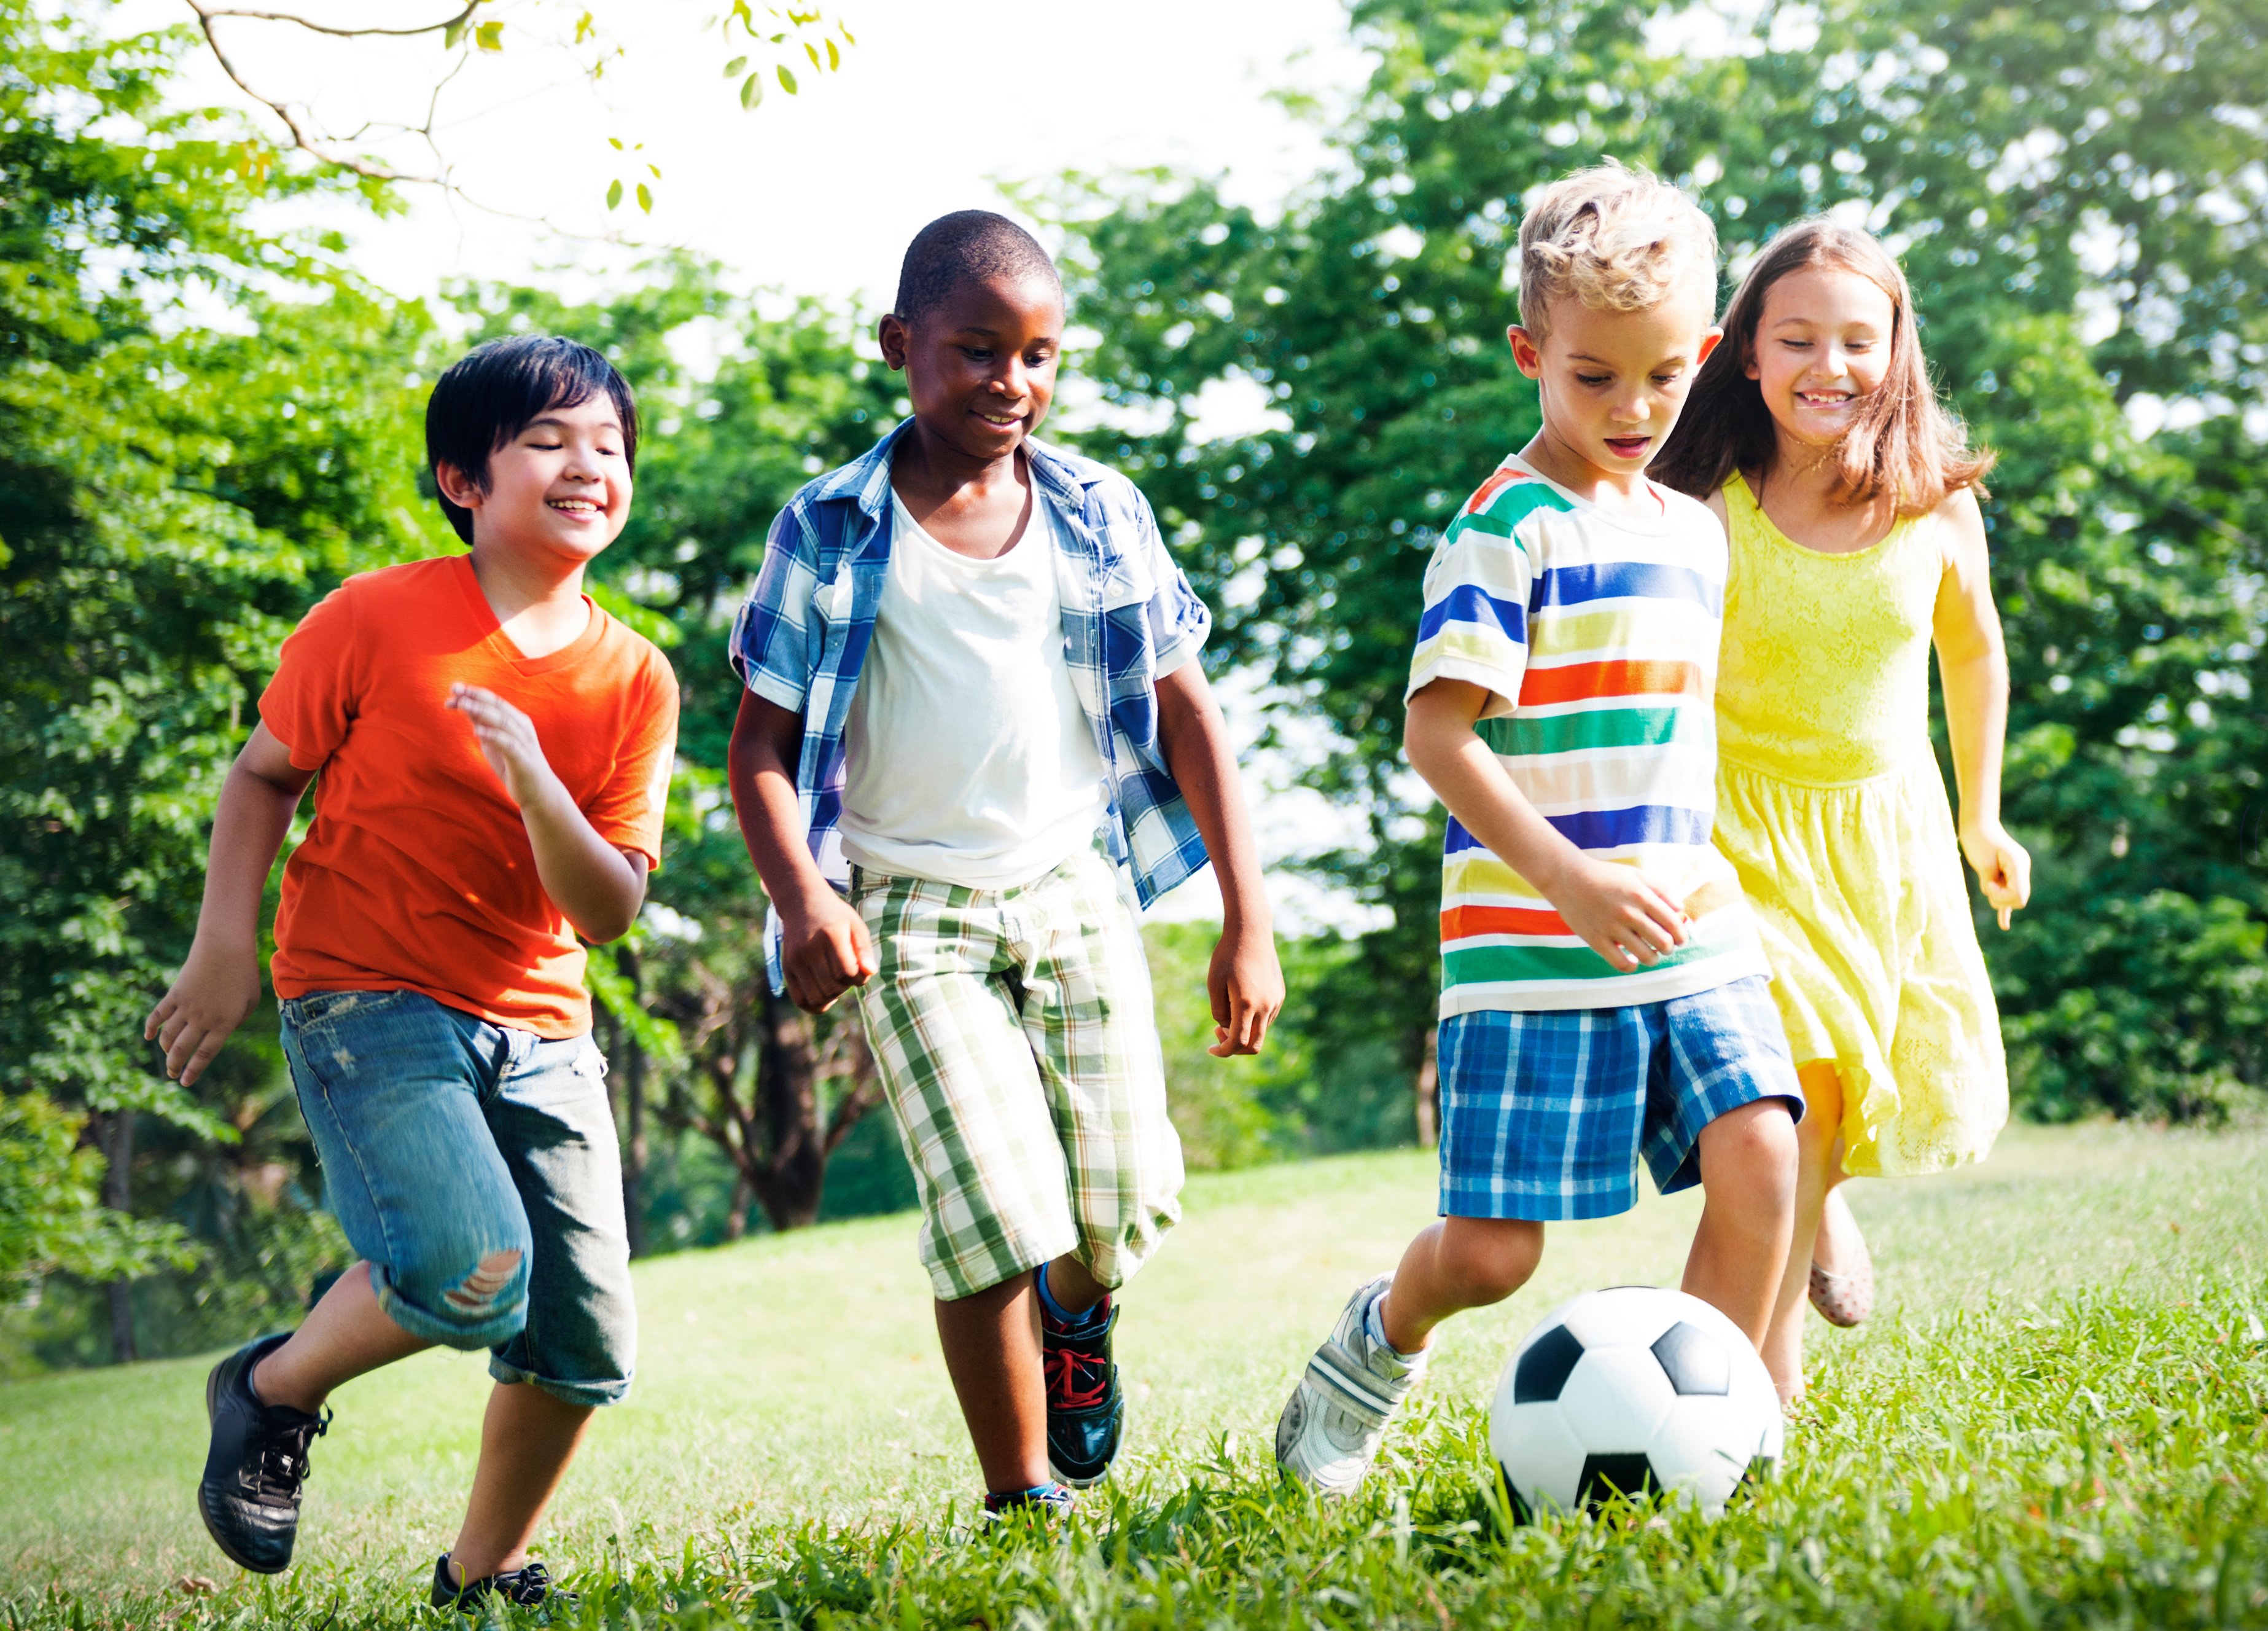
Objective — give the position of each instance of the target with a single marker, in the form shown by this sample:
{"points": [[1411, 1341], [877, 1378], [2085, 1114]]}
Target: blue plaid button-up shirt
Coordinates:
{"points": [[1129, 618]]}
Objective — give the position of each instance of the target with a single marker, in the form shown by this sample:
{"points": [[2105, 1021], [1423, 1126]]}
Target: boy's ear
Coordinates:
{"points": [[891, 335], [459, 488], [1527, 351], [1709, 342]]}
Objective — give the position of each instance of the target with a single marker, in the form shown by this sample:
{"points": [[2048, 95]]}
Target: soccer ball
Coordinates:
{"points": [[1637, 1390]]}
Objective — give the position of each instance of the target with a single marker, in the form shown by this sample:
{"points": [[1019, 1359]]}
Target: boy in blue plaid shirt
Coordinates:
{"points": [[973, 694]]}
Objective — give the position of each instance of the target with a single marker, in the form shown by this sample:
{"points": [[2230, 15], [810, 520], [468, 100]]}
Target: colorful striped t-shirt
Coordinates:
{"points": [[1597, 635]]}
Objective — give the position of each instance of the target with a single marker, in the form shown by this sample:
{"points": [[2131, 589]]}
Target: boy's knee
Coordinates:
{"points": [[1755, 1147], [1491, 1257], [473, 1302]]}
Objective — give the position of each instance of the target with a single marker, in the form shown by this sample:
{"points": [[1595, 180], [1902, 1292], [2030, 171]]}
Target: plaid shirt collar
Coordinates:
{"points": [[847, 515]]}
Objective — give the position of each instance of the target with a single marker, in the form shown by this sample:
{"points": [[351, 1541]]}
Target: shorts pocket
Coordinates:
{"points": [[318, 1008]]}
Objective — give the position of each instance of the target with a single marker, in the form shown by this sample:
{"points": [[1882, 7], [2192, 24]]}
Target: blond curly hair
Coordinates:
{"points": [[1617, 240]]}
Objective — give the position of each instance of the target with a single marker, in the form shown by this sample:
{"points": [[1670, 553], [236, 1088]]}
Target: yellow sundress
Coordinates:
{"points": [[1830, 806]]}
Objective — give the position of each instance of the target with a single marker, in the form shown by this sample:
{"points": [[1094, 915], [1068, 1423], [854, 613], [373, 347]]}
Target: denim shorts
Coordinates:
{"points": [[474, 1169], [1544, 1116]]}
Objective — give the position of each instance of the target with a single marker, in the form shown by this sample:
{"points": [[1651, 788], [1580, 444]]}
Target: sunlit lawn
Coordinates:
{"points": [[2056, 1417]]}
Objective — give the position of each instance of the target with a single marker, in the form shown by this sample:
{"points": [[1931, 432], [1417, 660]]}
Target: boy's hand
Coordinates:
{"points": [[2004, 866], [1619, 913], [824, 951], [507, 739], [1246, 983], [207, 1000]]}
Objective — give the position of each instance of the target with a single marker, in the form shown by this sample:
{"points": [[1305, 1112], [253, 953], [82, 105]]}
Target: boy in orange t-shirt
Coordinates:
{"points": [[494, 753]]}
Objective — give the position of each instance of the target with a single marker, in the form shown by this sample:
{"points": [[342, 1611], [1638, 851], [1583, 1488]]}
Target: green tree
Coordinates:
{"points": [[2076, 190], [173, 498]]}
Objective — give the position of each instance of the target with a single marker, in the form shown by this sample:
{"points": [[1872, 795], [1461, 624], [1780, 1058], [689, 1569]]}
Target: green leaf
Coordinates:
{"points": [[786, 79], [615, 141], [848, 38], [615, 193], [751, 89], [454, 33], [834, 57], [489, 36], [811, 51], [735, 66], [645, 198], [656, 170]]}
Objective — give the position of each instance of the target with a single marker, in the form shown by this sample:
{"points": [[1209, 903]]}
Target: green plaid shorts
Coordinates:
{"points": [[1018, 1049]]}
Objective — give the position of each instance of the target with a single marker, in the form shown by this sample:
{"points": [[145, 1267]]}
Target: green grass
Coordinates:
{"points": [[2057, 1418]]}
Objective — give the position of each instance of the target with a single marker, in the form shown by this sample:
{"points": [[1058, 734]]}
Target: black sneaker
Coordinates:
{"points": [[528, 1587], [1049, 1500], [258, 1462], [1087, 1408]]}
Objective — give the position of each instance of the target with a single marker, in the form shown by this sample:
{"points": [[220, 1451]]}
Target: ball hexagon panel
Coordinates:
{"points": [[1705, 1448], [1623, 1316], [1616, 1399], [1541, 1459]]}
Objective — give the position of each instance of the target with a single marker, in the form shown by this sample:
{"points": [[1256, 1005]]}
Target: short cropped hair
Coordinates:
{"points": [[968, 245], [492, 393], [1615, 239]]}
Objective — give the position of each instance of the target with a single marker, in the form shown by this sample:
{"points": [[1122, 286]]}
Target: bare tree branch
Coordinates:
{"points": [[208, 13]]}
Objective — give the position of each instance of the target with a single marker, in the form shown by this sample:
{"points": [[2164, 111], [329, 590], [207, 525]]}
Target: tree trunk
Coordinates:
{"points": [[118, 1194], [1428, 1092], [634, 1149], [787, 1103], [736, 1218]]}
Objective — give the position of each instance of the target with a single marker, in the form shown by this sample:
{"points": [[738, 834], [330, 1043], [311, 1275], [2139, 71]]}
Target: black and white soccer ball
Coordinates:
{"points": [[1634, 1390]]}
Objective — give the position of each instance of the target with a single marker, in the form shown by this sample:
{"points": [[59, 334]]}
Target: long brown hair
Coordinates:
{"points": [[1902, 442]]}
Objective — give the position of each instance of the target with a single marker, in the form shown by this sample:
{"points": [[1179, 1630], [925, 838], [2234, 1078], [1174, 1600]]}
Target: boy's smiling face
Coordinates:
{"points": [[979, 365], [560, 489], [1613, 383]]}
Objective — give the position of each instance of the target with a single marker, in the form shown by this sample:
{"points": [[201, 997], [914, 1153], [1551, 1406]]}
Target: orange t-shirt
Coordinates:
{"points": [[417, 874]]}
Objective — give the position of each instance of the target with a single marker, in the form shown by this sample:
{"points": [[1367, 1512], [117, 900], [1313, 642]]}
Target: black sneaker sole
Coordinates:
{"points": [[212, 1409], [1125, 1422]]}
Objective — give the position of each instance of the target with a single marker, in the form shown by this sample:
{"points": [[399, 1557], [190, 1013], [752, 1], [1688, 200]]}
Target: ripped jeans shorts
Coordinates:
{"points": [[475, 1167]]}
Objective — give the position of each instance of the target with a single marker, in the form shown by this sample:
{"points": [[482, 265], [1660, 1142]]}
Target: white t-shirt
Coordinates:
{"points": [[970, 760]]}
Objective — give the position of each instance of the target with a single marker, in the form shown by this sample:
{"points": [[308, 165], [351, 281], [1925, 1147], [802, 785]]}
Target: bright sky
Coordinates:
{"points": [[939, 102], [815, 193]]}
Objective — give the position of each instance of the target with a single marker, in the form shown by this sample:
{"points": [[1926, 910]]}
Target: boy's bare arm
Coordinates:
{"points": [[599, 886], [825, 948], [1245, 982], [1617, 909], [219, 984]]}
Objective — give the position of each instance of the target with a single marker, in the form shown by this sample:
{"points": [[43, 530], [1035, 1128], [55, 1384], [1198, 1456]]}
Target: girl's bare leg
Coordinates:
{"points": [[1818, 1142]]}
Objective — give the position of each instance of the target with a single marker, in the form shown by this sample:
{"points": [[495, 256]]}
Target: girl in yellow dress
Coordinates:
{"points": [[1849, 498]]}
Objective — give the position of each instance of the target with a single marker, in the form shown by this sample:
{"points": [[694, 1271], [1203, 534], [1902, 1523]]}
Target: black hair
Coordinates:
{"points": [[968, 245], [493, 392]]}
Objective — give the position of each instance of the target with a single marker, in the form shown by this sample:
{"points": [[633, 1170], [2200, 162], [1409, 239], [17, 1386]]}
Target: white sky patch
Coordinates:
{"points": [[817, 193]]}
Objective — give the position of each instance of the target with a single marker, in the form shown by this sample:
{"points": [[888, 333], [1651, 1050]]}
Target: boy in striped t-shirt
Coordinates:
{"points": [[1603, 993]]}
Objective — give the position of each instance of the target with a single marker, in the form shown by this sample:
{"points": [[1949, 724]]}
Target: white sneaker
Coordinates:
{"points": [[1330, 1430]]}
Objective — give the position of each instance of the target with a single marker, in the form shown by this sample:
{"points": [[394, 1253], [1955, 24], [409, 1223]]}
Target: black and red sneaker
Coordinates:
{"points": [[1087, 1408]]}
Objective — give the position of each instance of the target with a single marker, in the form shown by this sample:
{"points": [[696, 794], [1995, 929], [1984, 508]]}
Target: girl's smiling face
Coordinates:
{"points": [[1823, 345]]}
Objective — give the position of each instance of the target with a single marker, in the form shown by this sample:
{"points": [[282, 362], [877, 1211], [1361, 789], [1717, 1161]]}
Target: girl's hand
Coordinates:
{"points": [[2004, 866], [507, 739], [1246, 983]]}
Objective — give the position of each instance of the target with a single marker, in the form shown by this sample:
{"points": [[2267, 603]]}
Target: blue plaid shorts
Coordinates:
{"points": [[1544, 1116]]}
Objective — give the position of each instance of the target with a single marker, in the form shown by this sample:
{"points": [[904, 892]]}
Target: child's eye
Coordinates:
{"points": [[1593, 378], [977, 353]]}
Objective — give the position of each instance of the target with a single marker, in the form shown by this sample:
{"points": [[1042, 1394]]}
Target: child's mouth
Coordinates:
{"points": [[1629, 446]]}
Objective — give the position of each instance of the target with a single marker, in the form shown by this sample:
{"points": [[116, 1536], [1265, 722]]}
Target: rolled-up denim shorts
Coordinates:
{"points": [[475, 1167]]}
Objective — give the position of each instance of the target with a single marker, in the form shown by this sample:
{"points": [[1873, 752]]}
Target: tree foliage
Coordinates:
{"points": [[2078, 191]]}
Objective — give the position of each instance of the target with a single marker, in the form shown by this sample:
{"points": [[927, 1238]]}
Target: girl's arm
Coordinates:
{"points": [[1972, 664], [220, 982], [1245, 982]]}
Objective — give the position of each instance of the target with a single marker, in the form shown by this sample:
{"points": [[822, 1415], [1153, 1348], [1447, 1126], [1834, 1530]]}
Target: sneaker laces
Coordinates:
{"points": [[283, 1464], [1077, 1379]]}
